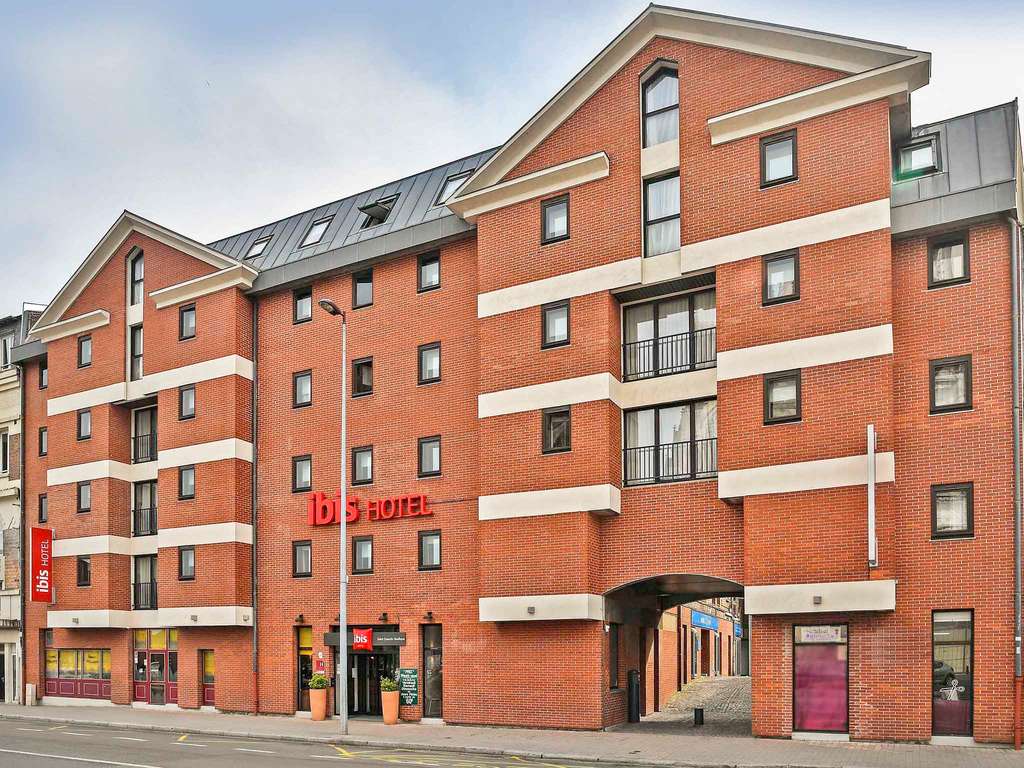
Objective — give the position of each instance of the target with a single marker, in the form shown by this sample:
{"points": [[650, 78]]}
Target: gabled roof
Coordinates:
{"points": [[845, 54], [126, 223]]}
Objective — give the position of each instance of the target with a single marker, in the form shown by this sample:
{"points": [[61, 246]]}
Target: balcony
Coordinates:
{"points": [[144, 595], [144, 522], [692, 460], [666, 355], [144, 448]]}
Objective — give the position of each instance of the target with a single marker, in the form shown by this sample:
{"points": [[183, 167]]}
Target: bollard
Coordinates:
{"points": [[698, 717]]}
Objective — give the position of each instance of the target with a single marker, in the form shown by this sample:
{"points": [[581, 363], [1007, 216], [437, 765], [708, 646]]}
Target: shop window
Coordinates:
{"points": [[302, 558], [429, 367], [362, 377], [820, 678], [778, 159], [952, 510], [949, 261], [950, 384], [430, 550], [554, 328], [302, 305], [952, 673], [362, 554], [782, 397], [429, 272], [780, 278]]}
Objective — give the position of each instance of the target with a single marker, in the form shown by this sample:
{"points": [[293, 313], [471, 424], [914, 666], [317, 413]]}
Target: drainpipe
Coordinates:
{"points": [[1014, 231], [254, 497], [23, 571]]}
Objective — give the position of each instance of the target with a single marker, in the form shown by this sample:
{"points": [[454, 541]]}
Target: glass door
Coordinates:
{"points": [[952, 673], [304, 639], [433, 671], [209, 670], [820, 679]]}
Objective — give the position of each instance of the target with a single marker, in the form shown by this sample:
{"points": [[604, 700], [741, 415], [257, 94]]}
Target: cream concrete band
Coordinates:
{"points": [[606, 277], [542, 607], [805, 353], [133, 314], [603, 499], [659, 159], [234, 276], [189, 535], [814, 475], [820, 228], [546, 181], [217, 450], [660, 268], [204, 616], [599, 386], [839, 596], [72, 326], [229, 365], [98, 470], [894, 81]]}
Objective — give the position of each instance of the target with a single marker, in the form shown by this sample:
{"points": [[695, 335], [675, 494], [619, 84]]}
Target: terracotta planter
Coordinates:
{"points": [[318, 703], [389, 706]]}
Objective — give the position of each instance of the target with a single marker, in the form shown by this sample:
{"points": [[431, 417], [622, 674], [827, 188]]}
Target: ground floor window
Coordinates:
{"points": [[952, 673], [820, 678], [155, 675], [78, 672], [304, 640], [208, 668]]}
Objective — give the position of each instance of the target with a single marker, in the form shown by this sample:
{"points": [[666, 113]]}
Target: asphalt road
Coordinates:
{"points": [[25, 744]]}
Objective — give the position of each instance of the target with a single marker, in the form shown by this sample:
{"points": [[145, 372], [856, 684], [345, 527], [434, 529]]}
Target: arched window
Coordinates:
{"points": [[661, 107], [136, 279]]}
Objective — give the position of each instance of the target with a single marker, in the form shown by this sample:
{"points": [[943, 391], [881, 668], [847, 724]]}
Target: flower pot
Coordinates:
{"points": [[389, 706], [318, 703]]}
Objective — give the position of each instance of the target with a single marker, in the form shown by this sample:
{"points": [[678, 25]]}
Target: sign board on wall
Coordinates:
{"points": [[737, 629], [822, 633], [408, 686], [362, 639], [381, 638], [703, 621], [324, 510], [41, 576]]}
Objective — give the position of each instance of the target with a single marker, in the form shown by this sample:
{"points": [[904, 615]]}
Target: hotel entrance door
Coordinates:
{"points": [[365, 672]]}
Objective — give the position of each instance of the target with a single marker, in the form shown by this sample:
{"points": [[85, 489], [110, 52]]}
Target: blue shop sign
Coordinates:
{"points": [[737, 629], [703, 621]]}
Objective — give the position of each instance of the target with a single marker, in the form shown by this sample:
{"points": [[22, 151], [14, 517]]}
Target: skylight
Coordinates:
{"points": [[451, 185], [316, 232], [257, 248], [377, 212]]}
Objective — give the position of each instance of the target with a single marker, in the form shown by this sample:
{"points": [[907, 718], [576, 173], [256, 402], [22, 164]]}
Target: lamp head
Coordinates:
{"points": [[330, 307]]}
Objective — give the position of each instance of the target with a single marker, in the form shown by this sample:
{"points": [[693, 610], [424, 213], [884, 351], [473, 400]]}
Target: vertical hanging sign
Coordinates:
{"points": [[41, 577]]}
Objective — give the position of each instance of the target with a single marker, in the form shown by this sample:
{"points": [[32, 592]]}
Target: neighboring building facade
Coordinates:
{"points": [[717, 323]]}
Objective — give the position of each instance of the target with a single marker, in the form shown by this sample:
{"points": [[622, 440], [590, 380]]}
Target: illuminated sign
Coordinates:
{"points": [[41, 577], [324, 510], [362, 639]]}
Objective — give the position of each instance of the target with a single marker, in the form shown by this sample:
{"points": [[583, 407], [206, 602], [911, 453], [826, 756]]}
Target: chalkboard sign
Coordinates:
{"points": [[408, 686]]}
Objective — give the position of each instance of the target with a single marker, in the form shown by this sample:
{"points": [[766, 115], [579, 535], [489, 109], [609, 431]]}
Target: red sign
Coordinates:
{"points": [[41, 576], [320, 665], [323, 510], [362, 639]]}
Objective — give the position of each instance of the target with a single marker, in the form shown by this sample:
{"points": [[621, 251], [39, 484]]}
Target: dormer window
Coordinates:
{"points": [[257, 248], [378, 212], [451, 185], [919, 157], [316, 231], [661, 107]]}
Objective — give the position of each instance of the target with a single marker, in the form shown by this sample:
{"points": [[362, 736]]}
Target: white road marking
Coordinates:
{"points": [[77, 759], [127, 738], [261, 751], [189, 744], [74, 733], [37, 730]]}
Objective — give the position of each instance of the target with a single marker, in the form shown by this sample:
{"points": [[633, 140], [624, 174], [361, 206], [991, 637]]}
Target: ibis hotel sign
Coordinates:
{"points": [[41, 577], [326, 510]]}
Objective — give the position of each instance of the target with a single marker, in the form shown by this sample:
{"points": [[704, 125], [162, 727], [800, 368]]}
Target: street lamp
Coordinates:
{"points": [[342, 685]]}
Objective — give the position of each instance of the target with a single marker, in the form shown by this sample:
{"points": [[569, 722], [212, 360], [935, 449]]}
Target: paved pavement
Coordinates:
{"points": [[483, 747], [726, 703]]}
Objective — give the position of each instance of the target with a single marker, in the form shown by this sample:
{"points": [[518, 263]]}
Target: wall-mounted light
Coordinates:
{"points": [[429, 618], [383, 618], [300, 619]]}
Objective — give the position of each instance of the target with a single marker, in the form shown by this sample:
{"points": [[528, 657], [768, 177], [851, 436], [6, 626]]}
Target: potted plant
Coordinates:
{"points": [[389, 700], [318, 685]]}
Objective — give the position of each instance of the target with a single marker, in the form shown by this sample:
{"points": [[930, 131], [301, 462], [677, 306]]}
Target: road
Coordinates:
{"points": [[26, 744]]}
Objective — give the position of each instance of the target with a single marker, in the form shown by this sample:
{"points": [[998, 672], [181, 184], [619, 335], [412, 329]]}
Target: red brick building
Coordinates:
{"points": [[717, 322]]}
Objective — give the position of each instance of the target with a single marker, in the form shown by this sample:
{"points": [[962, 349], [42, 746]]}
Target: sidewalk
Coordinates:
{"points": [[618, 746]]}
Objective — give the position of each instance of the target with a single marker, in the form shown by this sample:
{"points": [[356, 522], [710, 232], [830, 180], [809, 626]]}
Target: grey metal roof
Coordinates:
{"points": [[976, 176], [413, 208]]}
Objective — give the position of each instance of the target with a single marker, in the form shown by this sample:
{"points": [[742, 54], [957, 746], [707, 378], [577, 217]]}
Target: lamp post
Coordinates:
{"points": [[342, 684]]}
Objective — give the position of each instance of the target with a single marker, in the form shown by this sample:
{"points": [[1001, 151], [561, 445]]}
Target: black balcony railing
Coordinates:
{"points": [[668, 354], [144, 595], [144, 521], [144, 448], [691, 460]]}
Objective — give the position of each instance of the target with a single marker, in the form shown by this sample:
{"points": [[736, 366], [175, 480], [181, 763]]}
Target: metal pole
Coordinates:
{"points": [[1015, 335], [343, 544]]}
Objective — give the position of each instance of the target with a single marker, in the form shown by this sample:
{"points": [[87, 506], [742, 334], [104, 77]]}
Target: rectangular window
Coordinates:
{"points": [[84, 571], [661, 107], [948, 261], [186, 563], [950, 384], [257, 248], [430, 550], [429, 272], [316, 231], [302, 558], [84, 496], [778, 159], [362, 554], [556, 430], [669, 336], [6, 349], [919, 157], [187, 482], [144, 513], [782, 397], [362, 465], [302, 305], [554, 220], [84, 351], [145, 596], [5, 452], [135, 352], [671, 442], [302, 473], [821, 673], [187, 402], [44, 508], [187, 322], [302, 389], [952, 510], [953, 673], [430, 456], [362, 377], [44, 441], [137, 268], [362, 289], [780, 278], [613, 656], [44, 374], [429, 363], [661, 215], [554, 324], [84, 425]]}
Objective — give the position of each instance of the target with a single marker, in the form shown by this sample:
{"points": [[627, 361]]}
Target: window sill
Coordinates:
{"points": [[776, 302], [554, 345], [428, 382], [778, 183], [357, 395], [428, 289], [301, 405], [302, 321], [949, 283], [782, 422], [947, 411], [431, 476], [958, 537], [428, 570]]}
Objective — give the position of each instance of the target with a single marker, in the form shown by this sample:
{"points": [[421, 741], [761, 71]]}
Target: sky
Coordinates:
{"points": [[211, 118]]}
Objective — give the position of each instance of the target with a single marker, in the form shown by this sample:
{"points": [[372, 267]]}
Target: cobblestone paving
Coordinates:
{"points": [[726, 702]]}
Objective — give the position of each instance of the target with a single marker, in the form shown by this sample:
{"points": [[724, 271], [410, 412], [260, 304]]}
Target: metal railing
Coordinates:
{"points": [[691, 460], [669, 354], [144, 448], [144, 595], [144, 521]]}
